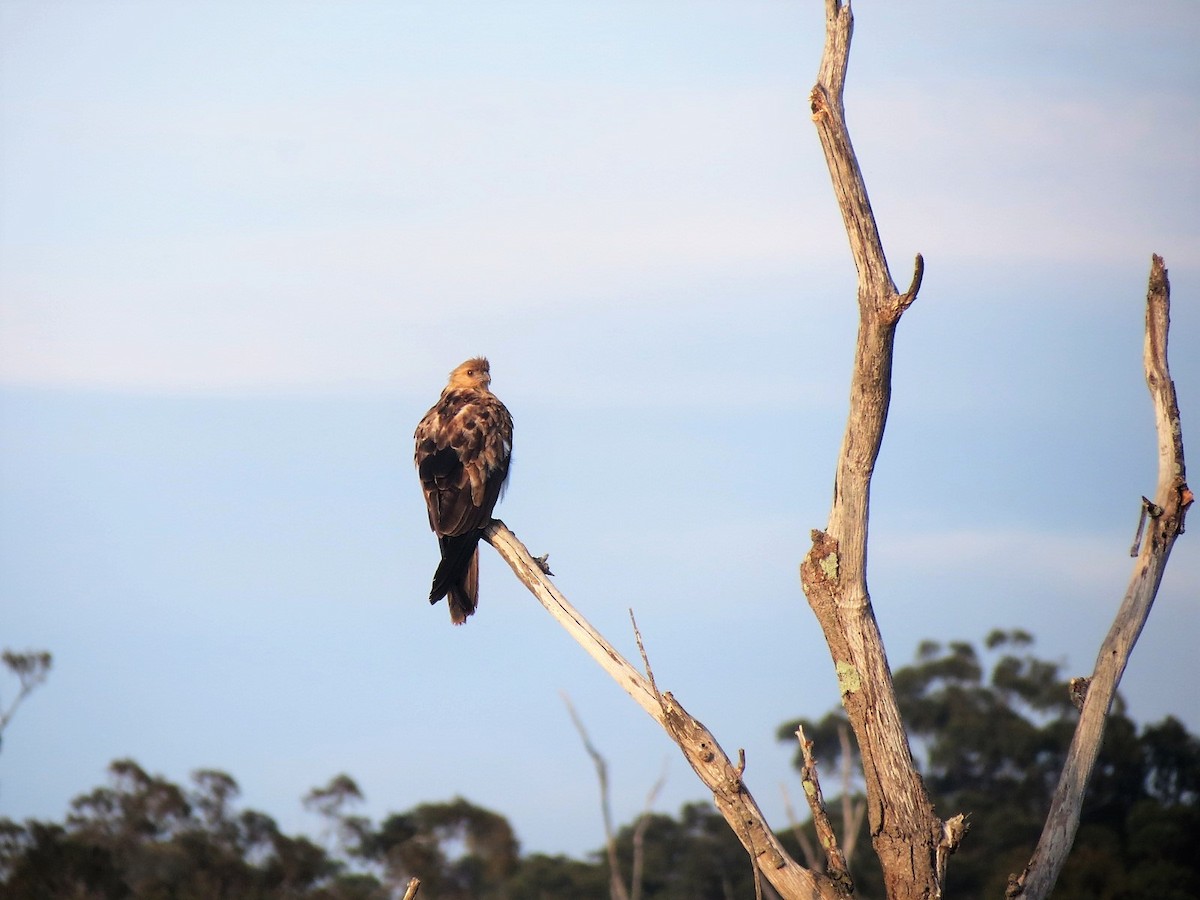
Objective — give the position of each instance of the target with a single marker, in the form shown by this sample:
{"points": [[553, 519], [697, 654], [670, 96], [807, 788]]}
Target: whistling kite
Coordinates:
{"points": [[463, 448]]}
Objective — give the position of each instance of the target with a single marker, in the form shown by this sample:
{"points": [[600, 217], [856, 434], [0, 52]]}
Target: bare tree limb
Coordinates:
{"points": [[616, 882], [638, 839], [698, 745], [31, 668], [834, 571], [811, 857], [852, 810], [835, 862], [953, 831], [637, 636], [1166, 515], [414, 885]]}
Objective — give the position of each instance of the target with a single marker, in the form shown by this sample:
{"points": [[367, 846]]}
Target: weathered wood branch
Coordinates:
{"points": [[904, 830], [835, 861], [853, 810], [698, 745], [1171, 500], [638, 839], [616, 882], [811, 856]]}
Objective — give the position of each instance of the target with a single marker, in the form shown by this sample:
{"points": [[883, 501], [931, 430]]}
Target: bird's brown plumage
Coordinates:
{"points": [[463, 447]]}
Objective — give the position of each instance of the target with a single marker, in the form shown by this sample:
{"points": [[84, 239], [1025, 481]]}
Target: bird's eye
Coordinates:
{"points": [[470, 371]]}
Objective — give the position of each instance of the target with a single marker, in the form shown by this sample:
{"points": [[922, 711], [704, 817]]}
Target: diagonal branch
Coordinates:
{"points": [[616, 882], [835, 860], [31, 668], [699, 746], [638, 839], [806, 846], [853, 809], [1171, 501]]}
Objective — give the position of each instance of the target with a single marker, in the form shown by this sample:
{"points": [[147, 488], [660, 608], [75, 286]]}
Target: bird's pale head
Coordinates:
{"points": [[474, 373]]}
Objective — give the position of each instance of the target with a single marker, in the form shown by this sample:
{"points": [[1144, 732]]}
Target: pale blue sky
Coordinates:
{"points": [[241, 244]]}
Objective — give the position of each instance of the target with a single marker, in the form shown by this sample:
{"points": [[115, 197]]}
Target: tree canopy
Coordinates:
{"points": [[990, 727]]}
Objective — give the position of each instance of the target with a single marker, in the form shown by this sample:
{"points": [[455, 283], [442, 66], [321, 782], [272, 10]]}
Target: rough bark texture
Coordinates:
{"points": [[904, 830], [1166, 514]]}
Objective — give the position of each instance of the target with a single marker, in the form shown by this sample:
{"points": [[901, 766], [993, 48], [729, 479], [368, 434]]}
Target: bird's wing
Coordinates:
{"points": [[463, 447]]}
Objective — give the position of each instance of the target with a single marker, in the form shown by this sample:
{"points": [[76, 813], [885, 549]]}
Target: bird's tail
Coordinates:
{"points": [[457, 575]]}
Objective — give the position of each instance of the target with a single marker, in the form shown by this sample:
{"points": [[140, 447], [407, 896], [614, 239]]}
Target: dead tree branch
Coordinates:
{"points": [[638, 839], [698, 745], [31, 668], [834, 572], [852, 810], [835, 861], [616, 882], [811, 857], [1166, 515]]}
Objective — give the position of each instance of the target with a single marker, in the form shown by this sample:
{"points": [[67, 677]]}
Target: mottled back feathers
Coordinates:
{"points": [[463, 448]]}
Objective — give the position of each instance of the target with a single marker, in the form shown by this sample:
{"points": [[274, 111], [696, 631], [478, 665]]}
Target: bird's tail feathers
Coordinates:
{"points": [[464, 596], [457, 576]]}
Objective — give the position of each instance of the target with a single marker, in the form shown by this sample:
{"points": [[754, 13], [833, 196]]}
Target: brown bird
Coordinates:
{"points": [[464, 444]]}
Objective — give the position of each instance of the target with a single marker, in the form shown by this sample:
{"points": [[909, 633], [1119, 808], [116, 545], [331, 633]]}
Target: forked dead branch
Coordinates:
{"points": [[913, 844]]}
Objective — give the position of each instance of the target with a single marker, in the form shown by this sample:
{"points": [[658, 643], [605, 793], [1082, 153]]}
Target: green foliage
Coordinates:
{"points": [[694, 857], [990, 727], [541, 877], [422, 843], [141, 837], [144, 837]]}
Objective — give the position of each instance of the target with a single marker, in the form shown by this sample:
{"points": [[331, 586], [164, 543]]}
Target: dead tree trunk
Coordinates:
{"points": [[834, 574]]}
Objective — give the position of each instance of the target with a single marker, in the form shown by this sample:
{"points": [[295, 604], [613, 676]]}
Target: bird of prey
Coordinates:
{"points": [[464, 444]]}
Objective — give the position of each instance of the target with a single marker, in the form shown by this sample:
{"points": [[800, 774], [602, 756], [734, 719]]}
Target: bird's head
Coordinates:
{"points": [[474, 373]]}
